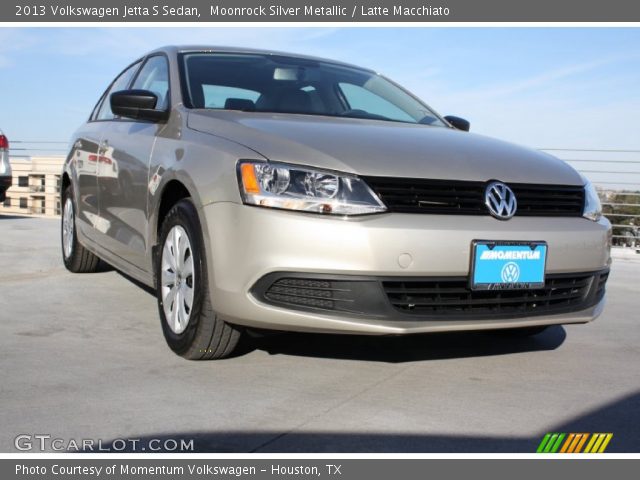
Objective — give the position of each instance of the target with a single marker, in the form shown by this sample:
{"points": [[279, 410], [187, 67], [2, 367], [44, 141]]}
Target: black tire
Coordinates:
{"points": [[206, 336], [522, 332], [78, 259]]}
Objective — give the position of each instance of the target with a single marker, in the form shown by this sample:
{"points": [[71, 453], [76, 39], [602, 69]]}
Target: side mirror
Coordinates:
{"points": [[137, 104], [458, 123]]}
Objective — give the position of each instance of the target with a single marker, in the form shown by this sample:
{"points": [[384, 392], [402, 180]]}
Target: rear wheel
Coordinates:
{"points": [[189, 323], [77, 259]]}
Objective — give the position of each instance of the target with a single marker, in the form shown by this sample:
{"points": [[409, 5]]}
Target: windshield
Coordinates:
{"points": [[274, 83]]}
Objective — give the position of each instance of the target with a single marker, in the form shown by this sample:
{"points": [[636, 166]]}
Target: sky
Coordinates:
{"points": [[541, 87]]}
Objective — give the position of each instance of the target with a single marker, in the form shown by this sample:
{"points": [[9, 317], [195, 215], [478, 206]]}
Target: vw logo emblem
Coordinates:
{"points": [[510, 272], [500, 200]]}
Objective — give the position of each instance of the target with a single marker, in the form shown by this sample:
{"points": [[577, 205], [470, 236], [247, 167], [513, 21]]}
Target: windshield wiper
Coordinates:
{"points": [[366, 115]]}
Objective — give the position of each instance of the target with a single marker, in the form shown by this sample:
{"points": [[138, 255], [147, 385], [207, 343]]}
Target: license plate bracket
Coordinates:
{"points": [[507, 265]]}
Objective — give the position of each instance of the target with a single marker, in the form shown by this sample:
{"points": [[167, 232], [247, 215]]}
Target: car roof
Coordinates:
{"points": [[174, 49]]}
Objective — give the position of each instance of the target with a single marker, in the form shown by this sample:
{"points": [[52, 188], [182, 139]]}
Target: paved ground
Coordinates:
{"points": [[82, 356]]}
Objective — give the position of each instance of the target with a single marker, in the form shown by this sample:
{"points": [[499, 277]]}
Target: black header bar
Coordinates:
{"points": [[361, 11]]}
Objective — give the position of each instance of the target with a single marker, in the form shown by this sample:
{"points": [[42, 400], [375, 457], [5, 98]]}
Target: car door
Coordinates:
{"points": [[123, 172], [85, 155]]}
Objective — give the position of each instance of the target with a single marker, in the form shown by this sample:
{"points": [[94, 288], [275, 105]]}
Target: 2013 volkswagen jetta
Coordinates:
{"points": [[275, 191]]}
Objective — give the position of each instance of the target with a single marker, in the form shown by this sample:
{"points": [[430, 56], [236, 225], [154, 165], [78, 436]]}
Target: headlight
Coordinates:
{"points": [[592, 206], [280, 185]]}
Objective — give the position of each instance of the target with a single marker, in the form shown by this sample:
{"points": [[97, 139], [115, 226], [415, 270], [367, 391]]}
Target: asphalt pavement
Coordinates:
{"points": [[82, 357]]}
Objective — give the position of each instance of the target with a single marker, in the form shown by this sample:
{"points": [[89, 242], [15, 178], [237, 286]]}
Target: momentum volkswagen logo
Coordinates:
{"points": [[574, 443], [510, 255]]}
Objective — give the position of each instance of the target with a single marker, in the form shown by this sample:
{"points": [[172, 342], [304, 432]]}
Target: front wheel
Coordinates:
{"points": [[189, 323]]}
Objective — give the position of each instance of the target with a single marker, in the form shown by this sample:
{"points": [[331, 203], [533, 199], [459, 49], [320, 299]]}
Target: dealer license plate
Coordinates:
{"points": [[499, 265]]}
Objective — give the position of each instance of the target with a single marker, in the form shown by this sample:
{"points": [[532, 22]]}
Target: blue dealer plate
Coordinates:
{"points": [[507, 265]]}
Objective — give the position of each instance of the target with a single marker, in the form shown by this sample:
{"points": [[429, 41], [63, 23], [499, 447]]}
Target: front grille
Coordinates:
{"points": [[452, 297], [408, 195], [602, 280], [304, 292], [427, 298]]}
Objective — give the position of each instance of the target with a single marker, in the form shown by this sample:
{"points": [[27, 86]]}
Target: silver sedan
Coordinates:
{"points": [[256, 189]]}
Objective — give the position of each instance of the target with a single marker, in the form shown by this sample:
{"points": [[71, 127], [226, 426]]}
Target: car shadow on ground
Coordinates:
{"points": [[620, 417], [4, 216], [103, 267], [398, 349]]}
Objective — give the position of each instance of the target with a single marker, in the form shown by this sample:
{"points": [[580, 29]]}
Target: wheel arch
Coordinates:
{"points": [[170, 192], [65, 181]]}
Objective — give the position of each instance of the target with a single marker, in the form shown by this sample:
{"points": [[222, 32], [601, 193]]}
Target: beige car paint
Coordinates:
{"points": [[201, 148]]}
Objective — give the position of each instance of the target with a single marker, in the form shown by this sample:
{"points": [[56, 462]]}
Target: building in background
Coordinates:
{"points": [[36, 186]]}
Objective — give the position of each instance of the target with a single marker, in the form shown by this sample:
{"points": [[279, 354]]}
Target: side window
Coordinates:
{"points": [[121, 83], [360, 98], [154, 76]]}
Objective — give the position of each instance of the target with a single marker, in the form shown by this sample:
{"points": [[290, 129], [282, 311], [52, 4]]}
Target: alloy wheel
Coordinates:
{"points": [[67, 228], [177, 279]]}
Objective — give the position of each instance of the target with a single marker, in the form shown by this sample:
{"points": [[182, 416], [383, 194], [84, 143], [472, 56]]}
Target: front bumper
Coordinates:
{"points": [[249, 243]]}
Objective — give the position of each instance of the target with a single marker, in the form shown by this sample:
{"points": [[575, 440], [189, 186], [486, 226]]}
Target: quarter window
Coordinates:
{"points": [[154, 77], [121, 83]]}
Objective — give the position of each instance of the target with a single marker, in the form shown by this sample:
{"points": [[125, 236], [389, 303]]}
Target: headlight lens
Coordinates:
{"points": [[592, 206], [280, 185]]}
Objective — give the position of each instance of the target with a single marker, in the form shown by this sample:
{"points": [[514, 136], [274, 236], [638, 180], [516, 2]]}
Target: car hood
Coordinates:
{"points": [[380, 148]]}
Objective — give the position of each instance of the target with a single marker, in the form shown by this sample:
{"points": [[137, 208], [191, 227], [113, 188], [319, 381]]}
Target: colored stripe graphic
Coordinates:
{"points": [[581, 443], [590, 444], [606, 442], [566, 445], [556, 445], [596, 446], [543, 443], [551, 443], [574, 442], [598, 442]]}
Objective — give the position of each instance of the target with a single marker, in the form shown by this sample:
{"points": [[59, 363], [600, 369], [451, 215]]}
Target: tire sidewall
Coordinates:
{"points": [[185, 215], [68, 261]]}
